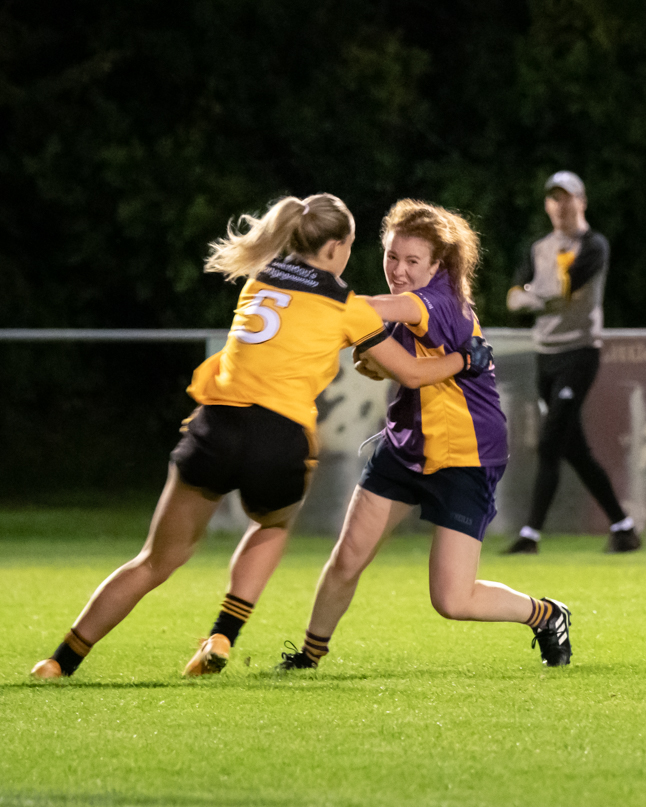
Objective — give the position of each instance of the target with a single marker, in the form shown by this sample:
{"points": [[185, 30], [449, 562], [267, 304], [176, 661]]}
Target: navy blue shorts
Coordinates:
{"points": [[248, 448], [461, 499]]}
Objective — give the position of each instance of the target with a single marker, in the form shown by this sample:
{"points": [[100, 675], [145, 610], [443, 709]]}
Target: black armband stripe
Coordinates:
{"points": [[372, 340]]}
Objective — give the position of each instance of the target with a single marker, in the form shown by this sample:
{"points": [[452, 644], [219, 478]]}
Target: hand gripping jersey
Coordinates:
{"points": [[570, 274], [458, 422], [283, 347]]}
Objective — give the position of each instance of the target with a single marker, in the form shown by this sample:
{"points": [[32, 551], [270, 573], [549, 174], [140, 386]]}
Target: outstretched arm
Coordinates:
{"points": [[411, 372], [475, 356], [395, 308]]}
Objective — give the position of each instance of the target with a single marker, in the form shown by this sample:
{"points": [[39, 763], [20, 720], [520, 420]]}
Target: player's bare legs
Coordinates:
{"points": [[252, 564], [255, 560], [369, 519], [179, 521], [455, 592]]}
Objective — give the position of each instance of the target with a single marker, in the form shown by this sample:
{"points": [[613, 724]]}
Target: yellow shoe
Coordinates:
{"points": [[46, 669], [212, 656]]}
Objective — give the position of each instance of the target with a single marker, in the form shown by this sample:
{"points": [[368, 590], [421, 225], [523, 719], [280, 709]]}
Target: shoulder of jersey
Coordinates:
{"points": [[442, 297], [593, 237], [301, 277], [548, 237]]}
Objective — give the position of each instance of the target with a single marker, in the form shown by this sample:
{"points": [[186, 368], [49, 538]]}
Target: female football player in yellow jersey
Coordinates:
{"points": [[444, 447], [254, 428]]}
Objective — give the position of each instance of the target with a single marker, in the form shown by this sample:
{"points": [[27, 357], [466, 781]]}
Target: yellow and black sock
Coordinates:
{"points": [[71, 652], [234, 612], [315, 647], [541, 612]]}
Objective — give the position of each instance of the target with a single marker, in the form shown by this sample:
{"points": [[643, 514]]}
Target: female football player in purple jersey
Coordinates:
{"points": [[444, 447]]}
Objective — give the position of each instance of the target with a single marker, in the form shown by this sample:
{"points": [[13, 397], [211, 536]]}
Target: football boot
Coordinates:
{"points": [[47, 669], [211, 657], [296, 660], [623, 541], [522, 546], [554, 638]]}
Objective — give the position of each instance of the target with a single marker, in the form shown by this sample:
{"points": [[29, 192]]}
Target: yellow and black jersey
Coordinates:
{"points": [[283, 347]]}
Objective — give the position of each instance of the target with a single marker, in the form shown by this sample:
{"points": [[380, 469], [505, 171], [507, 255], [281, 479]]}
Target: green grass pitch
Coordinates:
{"points": [[408, 709]]}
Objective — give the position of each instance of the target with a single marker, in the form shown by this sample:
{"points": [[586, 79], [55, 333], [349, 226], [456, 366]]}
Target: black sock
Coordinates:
{"points": [[71, 652], [233, 615]]}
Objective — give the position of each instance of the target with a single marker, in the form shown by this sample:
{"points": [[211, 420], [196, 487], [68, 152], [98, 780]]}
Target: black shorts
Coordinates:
{"points": [[248, 448], [461, 499]]}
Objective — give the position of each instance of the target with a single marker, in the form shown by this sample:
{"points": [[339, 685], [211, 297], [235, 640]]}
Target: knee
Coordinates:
{"points": [[450, 605], [158, 569], [345, 567]]}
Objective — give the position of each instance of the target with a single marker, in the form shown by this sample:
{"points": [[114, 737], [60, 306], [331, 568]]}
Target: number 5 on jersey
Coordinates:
{"points": [[269, 316]]}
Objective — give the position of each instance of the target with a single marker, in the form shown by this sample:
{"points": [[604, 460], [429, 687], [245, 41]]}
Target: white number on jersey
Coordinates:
{"points": [[269, 316]]}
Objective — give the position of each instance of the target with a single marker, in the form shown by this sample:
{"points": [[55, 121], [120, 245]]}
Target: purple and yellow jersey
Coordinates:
{"points": [[283, 347], [457, 422]]}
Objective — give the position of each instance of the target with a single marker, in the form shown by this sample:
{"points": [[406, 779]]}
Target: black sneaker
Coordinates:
{"points": [[523, 546], [623, 541], [554, 638], [296, 660]]}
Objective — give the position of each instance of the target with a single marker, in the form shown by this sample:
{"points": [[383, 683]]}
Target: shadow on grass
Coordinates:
{"points": [[261, 680], [118, 800], [324, 679], [75, 684]]}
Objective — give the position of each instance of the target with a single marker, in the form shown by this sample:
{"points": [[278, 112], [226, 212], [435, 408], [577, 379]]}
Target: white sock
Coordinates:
{"points": [[532, 534], [621, 526]]}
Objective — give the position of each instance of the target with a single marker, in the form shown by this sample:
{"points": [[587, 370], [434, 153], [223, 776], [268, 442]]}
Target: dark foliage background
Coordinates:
{"points": [[133, 130]]}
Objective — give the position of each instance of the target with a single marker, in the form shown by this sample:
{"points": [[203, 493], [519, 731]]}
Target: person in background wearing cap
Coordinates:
{"points": [[562, 281]]}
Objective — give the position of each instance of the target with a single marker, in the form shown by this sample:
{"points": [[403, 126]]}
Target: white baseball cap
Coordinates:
{"points": [[567, 181]]}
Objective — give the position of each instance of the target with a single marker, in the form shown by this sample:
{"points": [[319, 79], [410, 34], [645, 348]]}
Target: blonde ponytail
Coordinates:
{"points": [[454, 243], [291, 225]]}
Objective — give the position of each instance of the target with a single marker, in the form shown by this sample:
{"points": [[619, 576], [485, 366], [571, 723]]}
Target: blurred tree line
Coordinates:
{"points": [[133, 130]]}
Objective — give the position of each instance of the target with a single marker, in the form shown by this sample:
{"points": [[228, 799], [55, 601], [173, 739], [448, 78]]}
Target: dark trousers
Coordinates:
{"points": [[564, 380]]}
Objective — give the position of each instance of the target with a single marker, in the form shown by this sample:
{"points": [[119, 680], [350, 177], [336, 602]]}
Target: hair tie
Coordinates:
{"points": [[306, 210]]}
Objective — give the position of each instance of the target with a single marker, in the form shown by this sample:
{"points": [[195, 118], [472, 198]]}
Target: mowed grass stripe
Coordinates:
{"points": [[408, 709]]}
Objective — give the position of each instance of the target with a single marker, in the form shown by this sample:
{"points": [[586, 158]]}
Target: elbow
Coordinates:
{"points": [[410, 380]]}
